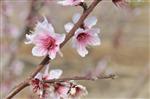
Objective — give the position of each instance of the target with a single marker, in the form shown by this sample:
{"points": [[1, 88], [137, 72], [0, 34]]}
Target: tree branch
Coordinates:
{"points": [[47, 59], [112, 76]]}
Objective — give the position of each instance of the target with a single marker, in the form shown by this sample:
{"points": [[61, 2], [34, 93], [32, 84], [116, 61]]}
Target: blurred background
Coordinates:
{"points": [[124, 50]]}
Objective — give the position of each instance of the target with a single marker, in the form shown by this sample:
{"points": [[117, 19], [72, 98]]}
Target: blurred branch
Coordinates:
{"points": [[46, 59], [34, 11], [142, 79], [112, 76]]}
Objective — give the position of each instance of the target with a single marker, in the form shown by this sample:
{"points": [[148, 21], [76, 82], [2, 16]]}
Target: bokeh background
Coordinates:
{"points": [[125, 47]]}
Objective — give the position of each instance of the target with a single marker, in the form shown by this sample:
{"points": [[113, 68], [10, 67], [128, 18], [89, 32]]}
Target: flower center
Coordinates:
{"points": [[82, 36], [49, 43]]}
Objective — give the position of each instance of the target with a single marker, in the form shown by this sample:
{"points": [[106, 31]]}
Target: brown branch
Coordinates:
{"points": [[112, 76], [17, 89], [84, 6], [46, 59]]}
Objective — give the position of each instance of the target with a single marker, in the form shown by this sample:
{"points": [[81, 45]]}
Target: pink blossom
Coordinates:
{"points": [[60, 90], [40, 88], [85, 35], [70, 2], [77, 91], [83, 38], [45, 39], [68, 90], [52, 74], [56, 90]]}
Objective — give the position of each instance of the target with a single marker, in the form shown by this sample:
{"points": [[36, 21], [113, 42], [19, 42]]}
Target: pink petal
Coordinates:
{"points": [[83, 90], [68, 27], [76, 17], [38, 51], [59, 38], [95, 40], [93, 31], [55, 74], [39, 76], [63, 2], [40, 38], [82, 50], [91, 21], [86, 35], [69, 2], [52, 53], [74, 42], [44, 27], [63, 91]]}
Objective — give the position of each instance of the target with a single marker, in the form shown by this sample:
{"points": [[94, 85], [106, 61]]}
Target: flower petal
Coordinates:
{"points": [[94, 31], [82, 50], [44, 27], [47, 25], [55, 74], [91, 21], [39, 76], [52, 53], [59, 38], [76, 17], [83, 90], [95, 40], [68, 27], [39, 51], [74, 42], [63, 2], [70, 2]]}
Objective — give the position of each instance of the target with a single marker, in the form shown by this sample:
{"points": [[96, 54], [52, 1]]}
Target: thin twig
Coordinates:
{"points": [[79, 78], [84, 6], [46, 59]]}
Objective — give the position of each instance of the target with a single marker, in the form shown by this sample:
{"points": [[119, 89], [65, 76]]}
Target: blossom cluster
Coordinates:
{"points": [[48, 42], [56, 90]]}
